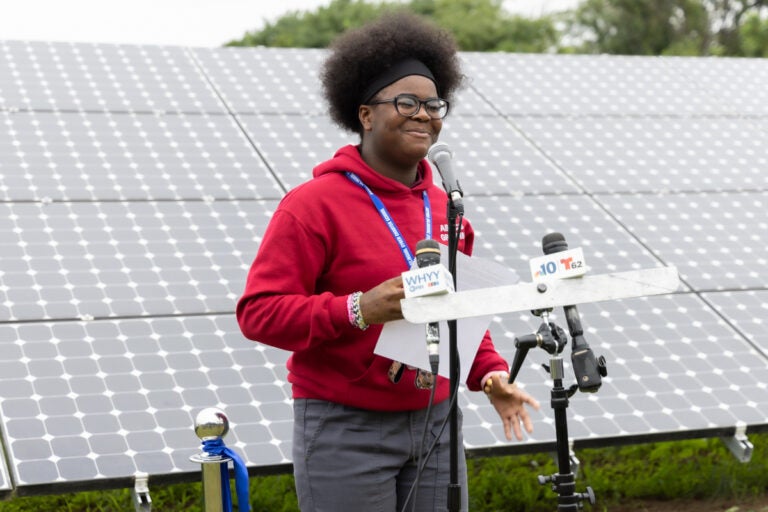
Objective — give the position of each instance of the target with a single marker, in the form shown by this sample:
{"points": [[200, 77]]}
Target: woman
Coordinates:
{"points": [[327, 276]]}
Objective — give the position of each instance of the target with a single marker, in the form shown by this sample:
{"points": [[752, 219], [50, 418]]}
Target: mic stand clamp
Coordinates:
{"points": [[553, 339]]}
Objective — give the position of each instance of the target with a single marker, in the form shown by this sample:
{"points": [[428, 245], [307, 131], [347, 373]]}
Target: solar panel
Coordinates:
{"points": [[115, 259], [101, 77], [654, 155], [105, 399], [86, 156], [265, 80], [494, 158], [136, 182], [508, 231], [587, 85], [285, 81], [718, 77], [673, 366], [746, 311], [292, 145], [715, 241], [660, 351]]}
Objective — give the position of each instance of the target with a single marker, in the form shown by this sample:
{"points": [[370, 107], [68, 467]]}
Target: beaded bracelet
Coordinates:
{"points": [[350, 311], [353, 311]]}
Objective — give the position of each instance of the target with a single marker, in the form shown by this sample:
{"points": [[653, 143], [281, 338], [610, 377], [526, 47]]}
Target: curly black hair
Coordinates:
{"points": [[359, 56]]}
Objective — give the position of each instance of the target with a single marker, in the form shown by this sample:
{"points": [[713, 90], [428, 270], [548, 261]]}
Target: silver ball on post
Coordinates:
{"points": [[211, 423]]}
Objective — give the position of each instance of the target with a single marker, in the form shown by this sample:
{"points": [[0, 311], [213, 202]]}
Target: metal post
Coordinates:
{"points": [[211, 423]]}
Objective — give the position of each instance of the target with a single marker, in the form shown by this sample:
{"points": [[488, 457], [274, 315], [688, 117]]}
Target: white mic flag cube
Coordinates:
{"points": [[559, 265], [430, 280]]}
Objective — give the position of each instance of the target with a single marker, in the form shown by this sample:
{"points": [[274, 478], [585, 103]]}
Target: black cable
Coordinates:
{"points": [[415, 485], [433, 446]]}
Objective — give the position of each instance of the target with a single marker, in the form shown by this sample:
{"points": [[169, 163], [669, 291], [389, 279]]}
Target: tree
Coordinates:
{"points": [[313, 29], [753, 35], [629, 27], [727, 20], [648, 27], [477, 25], [483, 25], [668, 27]]}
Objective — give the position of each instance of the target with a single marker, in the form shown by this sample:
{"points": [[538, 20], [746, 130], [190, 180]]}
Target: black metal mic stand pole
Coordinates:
{"points": [[564, 481], [454, 487]]}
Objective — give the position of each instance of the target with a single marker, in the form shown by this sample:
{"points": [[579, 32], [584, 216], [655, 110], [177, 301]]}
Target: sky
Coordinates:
{"points": [[206, 23]]}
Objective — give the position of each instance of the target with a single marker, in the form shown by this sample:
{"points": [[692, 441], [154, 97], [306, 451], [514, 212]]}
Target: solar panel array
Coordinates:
{"points": [[136, 181]]}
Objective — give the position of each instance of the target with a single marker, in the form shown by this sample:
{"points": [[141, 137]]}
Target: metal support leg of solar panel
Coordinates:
{"points": [[552, 339], [142, 502]]}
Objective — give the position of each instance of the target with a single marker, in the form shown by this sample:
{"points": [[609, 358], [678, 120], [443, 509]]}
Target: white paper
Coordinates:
{"points": [[406, 342]]}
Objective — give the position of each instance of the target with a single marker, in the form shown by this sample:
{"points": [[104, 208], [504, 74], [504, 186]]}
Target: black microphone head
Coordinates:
{"points": [[553, 242], [427, 253]]}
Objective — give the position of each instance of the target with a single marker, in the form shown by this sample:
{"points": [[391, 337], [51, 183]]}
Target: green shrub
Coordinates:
{"points": [[700, 469]]}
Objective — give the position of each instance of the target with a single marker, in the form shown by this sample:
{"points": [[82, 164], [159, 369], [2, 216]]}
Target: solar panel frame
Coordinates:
{"points": [[6, 485]]}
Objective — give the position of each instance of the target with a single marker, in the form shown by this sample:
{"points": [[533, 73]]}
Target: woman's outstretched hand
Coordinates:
{"points": [[509, 401]]}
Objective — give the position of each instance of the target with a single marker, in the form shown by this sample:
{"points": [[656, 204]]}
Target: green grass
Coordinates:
{"points": [[698, 469], [701, 469]]}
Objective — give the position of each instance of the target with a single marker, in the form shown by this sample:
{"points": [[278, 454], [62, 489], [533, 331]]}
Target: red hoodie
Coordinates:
{"points": [[325, 241]]}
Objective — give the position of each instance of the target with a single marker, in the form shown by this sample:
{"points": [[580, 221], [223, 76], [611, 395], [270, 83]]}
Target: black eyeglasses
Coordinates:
{"points": [[408, 105]]}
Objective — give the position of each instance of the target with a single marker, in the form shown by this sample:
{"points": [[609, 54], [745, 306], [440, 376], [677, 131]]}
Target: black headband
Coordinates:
{"points": [[394, 73]]}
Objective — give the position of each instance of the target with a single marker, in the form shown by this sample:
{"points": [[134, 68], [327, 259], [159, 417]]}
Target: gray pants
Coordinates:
{"points": [[348, 459]]}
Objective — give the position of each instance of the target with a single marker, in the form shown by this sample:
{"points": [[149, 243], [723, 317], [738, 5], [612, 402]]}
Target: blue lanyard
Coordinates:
{"points": [[407, 255]]}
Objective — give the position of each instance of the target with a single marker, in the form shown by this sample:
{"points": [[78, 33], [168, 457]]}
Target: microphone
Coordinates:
{"points": [[428, 254], [588, 370], [441, 157]]}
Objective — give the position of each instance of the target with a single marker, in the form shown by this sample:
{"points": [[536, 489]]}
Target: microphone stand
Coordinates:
{"points": [[455, 211], [564, 481]]}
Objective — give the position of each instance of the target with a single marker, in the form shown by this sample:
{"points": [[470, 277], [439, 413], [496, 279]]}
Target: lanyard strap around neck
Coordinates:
{"points": [[387, 218]]}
